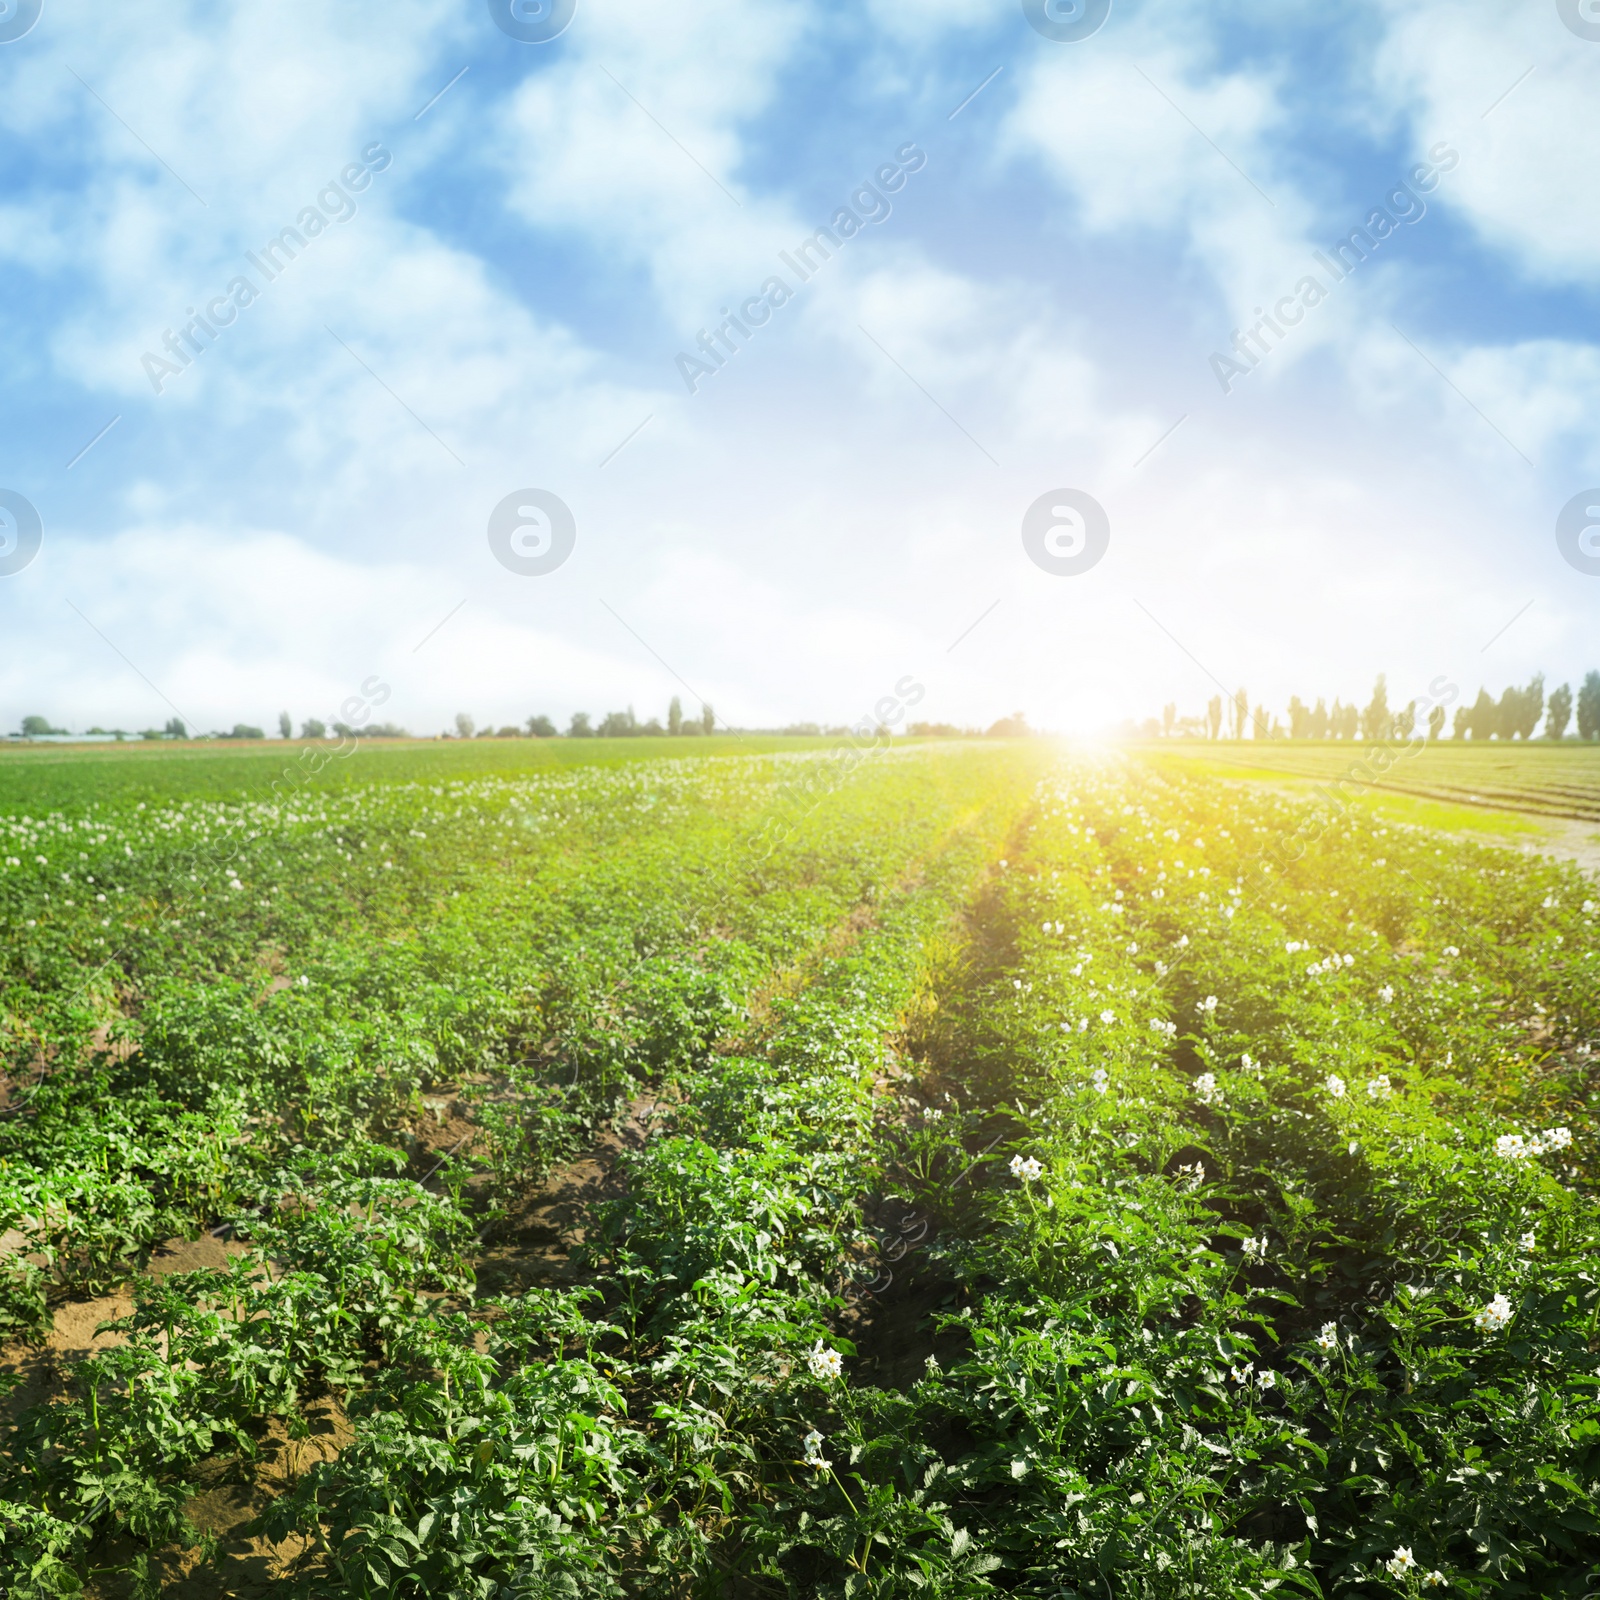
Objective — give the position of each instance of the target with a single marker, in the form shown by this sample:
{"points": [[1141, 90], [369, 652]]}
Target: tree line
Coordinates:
{"points": [[613, 725], [1515, 714]]}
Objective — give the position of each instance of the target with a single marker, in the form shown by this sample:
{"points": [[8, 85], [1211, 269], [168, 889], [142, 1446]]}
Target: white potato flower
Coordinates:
{"points": [[1494, 1316], [825, 1363], [1328, 1340], [1025, 1168], [1334, 1084]]}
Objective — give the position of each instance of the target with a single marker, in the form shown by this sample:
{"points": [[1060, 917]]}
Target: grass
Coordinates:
{"points": [[69, 777], [1396, 806], [1540, 778]]}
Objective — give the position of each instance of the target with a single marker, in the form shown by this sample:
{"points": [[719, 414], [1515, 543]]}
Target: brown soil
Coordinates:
{"points": [[44, 1367], [535, 1243], [233, 1493]]}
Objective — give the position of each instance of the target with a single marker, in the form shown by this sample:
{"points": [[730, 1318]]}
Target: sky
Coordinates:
{"points": [[537, 404]]}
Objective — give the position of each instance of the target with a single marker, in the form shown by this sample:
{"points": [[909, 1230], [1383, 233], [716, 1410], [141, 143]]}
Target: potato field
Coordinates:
{"points": [[969, 1169]]}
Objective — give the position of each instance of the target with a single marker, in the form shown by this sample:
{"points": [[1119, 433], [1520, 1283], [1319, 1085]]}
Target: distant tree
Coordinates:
{"points": [[1013, 727], [313, 728], [675, 717], [484, 733], [708, 720], [1169, 715], [1299, 719], [1507, 714], [1436, 722], [1529, 706], [1589, 707], [38, 728], [618, 724], [579, 727], [1319, 721], [508, 732], [285, 726], [1558, 712], [1481, 718], [541, 727], [1405, 721], [1461, 723], [1214, 715], [1375, 720], [243, 730], [1241, 712], [464, 725], [1349, 722], [175, 729]]}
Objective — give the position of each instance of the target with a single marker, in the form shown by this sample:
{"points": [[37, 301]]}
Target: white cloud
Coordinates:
{"points": [[638, 145], [1527, 182], [223, 630]]}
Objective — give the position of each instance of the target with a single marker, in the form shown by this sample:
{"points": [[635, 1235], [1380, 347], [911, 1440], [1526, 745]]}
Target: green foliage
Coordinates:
{"points": [[1108, 1184]]}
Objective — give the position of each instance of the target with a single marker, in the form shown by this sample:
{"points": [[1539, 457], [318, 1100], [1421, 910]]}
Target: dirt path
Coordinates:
{"points": [[1568, 841]]}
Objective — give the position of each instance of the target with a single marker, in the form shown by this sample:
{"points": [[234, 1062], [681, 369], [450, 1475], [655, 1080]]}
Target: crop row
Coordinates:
{"points": [[627, 959], [1287, 1275]]}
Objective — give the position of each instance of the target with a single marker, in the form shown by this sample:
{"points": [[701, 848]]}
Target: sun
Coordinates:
{"points": [[1081, 712]]}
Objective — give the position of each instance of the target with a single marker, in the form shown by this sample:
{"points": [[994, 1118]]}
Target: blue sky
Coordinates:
{"points": [[306, 504]]}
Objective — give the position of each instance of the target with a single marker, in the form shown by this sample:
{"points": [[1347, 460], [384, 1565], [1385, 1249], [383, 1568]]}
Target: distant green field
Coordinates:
{"points": [[52, 777], [1543, 779]]}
